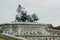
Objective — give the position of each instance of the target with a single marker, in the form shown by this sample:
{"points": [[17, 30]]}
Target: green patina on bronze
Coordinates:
{"points": [[23, 17]]}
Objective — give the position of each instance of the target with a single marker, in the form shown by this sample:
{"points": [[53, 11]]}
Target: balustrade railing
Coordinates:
{"points": [[41, 37]]}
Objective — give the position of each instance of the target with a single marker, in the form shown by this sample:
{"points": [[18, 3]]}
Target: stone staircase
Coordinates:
{"points": [[10, 37]]}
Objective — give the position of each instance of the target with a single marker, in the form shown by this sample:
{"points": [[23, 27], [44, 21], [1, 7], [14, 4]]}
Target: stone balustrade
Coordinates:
{"points": [[41, 37]]}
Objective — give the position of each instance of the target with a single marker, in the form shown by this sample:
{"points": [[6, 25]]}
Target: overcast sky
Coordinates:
{"points": [[47, 10]]}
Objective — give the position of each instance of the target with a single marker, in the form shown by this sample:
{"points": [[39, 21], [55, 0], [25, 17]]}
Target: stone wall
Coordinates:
{"points": [[24, 28]]}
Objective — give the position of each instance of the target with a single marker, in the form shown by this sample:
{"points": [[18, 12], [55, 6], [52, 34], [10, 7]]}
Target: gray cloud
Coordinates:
{"points": [[47, 10]]}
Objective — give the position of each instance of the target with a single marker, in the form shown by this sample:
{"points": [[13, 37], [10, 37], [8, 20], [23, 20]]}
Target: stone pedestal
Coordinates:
{"points": [[24, 28]]}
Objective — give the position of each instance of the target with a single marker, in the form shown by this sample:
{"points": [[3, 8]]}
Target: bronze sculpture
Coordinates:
{"points": [[23, 17]]}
